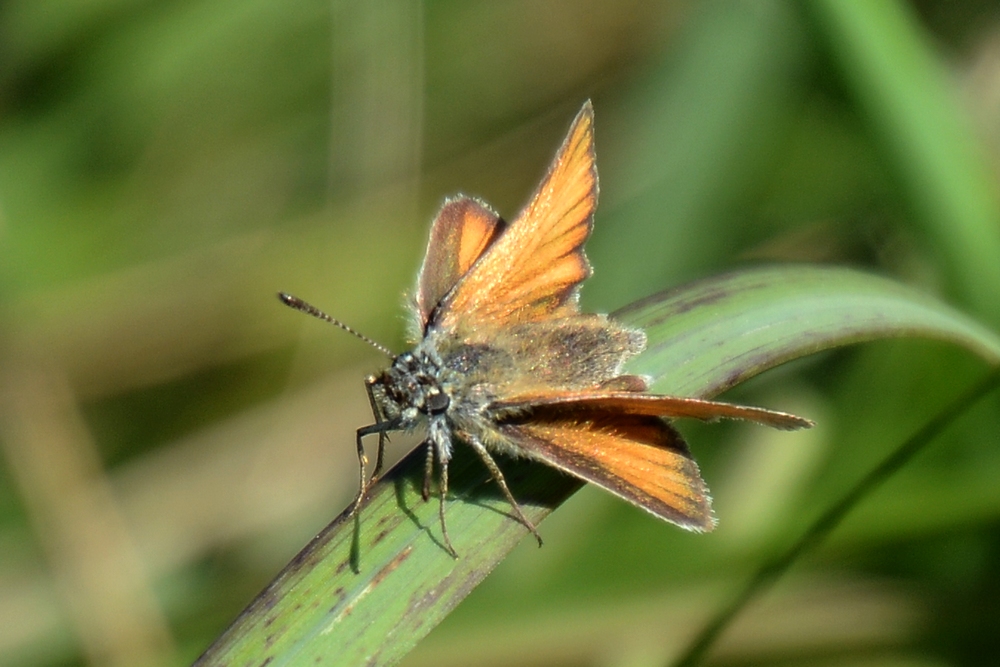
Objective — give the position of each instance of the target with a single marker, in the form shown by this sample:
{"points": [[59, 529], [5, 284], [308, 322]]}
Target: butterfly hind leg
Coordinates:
{"points": [[498, 477]]}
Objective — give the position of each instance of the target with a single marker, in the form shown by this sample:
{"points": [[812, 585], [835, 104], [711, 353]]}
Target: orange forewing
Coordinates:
{"points": [[532, 270], [670, 407], [641, 459], [462, 230]]}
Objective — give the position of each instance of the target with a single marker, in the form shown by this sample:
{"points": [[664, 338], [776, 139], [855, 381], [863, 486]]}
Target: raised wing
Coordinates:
{"points": [[641, 459], [533, 269], [671, 407], [462, 230]]}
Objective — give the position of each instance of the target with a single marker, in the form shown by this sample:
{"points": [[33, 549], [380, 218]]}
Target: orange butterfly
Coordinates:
{"points": [[505, 361]]}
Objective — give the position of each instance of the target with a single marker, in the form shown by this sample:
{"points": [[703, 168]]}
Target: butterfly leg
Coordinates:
{"points": [[444, 492], [380, 454], [364, 483], [439, 437], [494, 469], [428, 471]]}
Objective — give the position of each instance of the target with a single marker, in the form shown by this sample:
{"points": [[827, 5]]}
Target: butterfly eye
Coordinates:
{"points": [[437, 402]]}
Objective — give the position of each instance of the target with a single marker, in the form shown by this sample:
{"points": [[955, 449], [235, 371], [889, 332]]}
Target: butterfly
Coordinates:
{"points": [[504, 361]]}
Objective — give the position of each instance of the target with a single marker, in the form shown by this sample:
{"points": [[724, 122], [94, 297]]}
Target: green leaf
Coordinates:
{"points": [[366, 591]]}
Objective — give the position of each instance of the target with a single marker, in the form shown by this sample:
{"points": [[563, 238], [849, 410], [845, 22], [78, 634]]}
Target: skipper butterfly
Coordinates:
{"points": [[505, 362]]}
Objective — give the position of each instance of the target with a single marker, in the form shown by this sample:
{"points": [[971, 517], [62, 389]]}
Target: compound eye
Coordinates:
{"points": [[437, 402]]}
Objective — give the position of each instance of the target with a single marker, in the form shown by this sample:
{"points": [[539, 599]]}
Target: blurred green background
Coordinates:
{"points": [[171, 435]]}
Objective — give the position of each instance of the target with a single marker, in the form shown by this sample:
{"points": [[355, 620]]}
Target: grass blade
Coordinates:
{"points": [[365, 592]]}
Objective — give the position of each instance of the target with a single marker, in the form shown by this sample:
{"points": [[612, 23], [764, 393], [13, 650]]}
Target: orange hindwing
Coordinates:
{"points": [[462, 230], [638, 458]]}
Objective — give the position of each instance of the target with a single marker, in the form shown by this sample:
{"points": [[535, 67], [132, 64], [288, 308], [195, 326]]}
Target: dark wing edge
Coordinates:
{"points": [[670, 407]]}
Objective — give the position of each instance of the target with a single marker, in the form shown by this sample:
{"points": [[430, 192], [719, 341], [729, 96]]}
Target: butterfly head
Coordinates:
{"points": [[413, 386]]}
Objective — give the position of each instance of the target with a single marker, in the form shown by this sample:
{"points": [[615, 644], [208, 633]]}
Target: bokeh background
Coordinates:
{"points": [[171, 435]]}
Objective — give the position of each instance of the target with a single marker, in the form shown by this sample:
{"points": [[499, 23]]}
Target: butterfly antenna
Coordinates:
{"points": [[309, 309]]}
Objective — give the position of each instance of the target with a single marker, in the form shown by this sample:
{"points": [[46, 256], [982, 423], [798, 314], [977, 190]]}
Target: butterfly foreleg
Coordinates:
{"points": [[380, 427], [377, 413]]}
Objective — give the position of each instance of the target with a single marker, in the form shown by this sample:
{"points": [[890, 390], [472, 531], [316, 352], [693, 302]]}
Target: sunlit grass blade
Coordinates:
{"points": [[756, 319], [366, 591]]}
